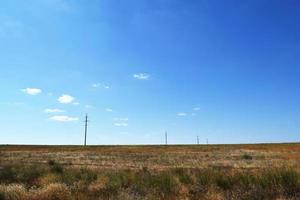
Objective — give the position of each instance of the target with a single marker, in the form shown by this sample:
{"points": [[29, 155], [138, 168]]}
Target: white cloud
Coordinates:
{"points": [[121, 122], [121, 119], [89, 106], [32, 91], [181, 114], [96, 85], [63, 118], [108, 110], [65, 99], [141, 76], [76, 103], [54, 110], [18, 103], [100, 85], [124, 124], [196, 109]]}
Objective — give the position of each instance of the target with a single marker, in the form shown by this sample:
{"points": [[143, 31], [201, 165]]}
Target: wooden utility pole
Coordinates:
{"points": [[85, 128], [166, 137]]}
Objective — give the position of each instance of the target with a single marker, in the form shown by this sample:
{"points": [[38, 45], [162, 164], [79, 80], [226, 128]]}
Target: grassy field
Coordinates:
{"points": [[260, 171]]}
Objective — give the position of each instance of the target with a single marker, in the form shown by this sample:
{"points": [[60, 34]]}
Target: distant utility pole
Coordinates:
{"points": [[166, 137], [206, 141], [197, 139], [85, 128]]}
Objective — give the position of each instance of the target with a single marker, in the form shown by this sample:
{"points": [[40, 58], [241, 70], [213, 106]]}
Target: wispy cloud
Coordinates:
{"points": [[66, 99], [141, 76], [121, 119], [196, 109], [124, 124], [96, 85], [181, 114], [18, 103], [32, 91], [121, 122], [108, 110], [100, 85], [89, 106], [53, 110], [63, 118]]}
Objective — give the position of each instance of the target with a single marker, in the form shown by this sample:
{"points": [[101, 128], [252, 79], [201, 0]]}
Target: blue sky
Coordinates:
{"points": [[228, 71]]}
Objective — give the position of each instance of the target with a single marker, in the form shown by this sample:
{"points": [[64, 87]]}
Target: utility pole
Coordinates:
{"points": [[85, 128], [197, 139], [166, 137], [206, 141]]}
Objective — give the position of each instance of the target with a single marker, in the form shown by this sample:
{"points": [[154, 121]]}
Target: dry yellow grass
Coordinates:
{"points": [[157, 157], [183, 172], [13, 192]]}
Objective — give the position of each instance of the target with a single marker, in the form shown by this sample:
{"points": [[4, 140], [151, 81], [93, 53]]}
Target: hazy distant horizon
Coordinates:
{"points": [[155, 144]]}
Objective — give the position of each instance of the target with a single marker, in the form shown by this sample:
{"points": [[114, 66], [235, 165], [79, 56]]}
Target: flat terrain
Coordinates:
{"points": [[160, 157], [173, 172]]}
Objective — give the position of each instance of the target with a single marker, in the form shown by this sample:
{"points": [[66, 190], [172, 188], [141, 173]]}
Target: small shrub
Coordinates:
{"points": [[142, 182], [51, 162], [113, 186], [87, 175], [225, 182], [28, 175], [57, 168], [83, 175], [164, 184], [205, 177], [21, 174], [7, 174], [183, 175], [116, 181], [247, 157]]}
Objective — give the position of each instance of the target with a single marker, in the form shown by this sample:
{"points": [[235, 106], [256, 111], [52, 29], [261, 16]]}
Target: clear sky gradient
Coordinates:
{"points": [[228, 71]]}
